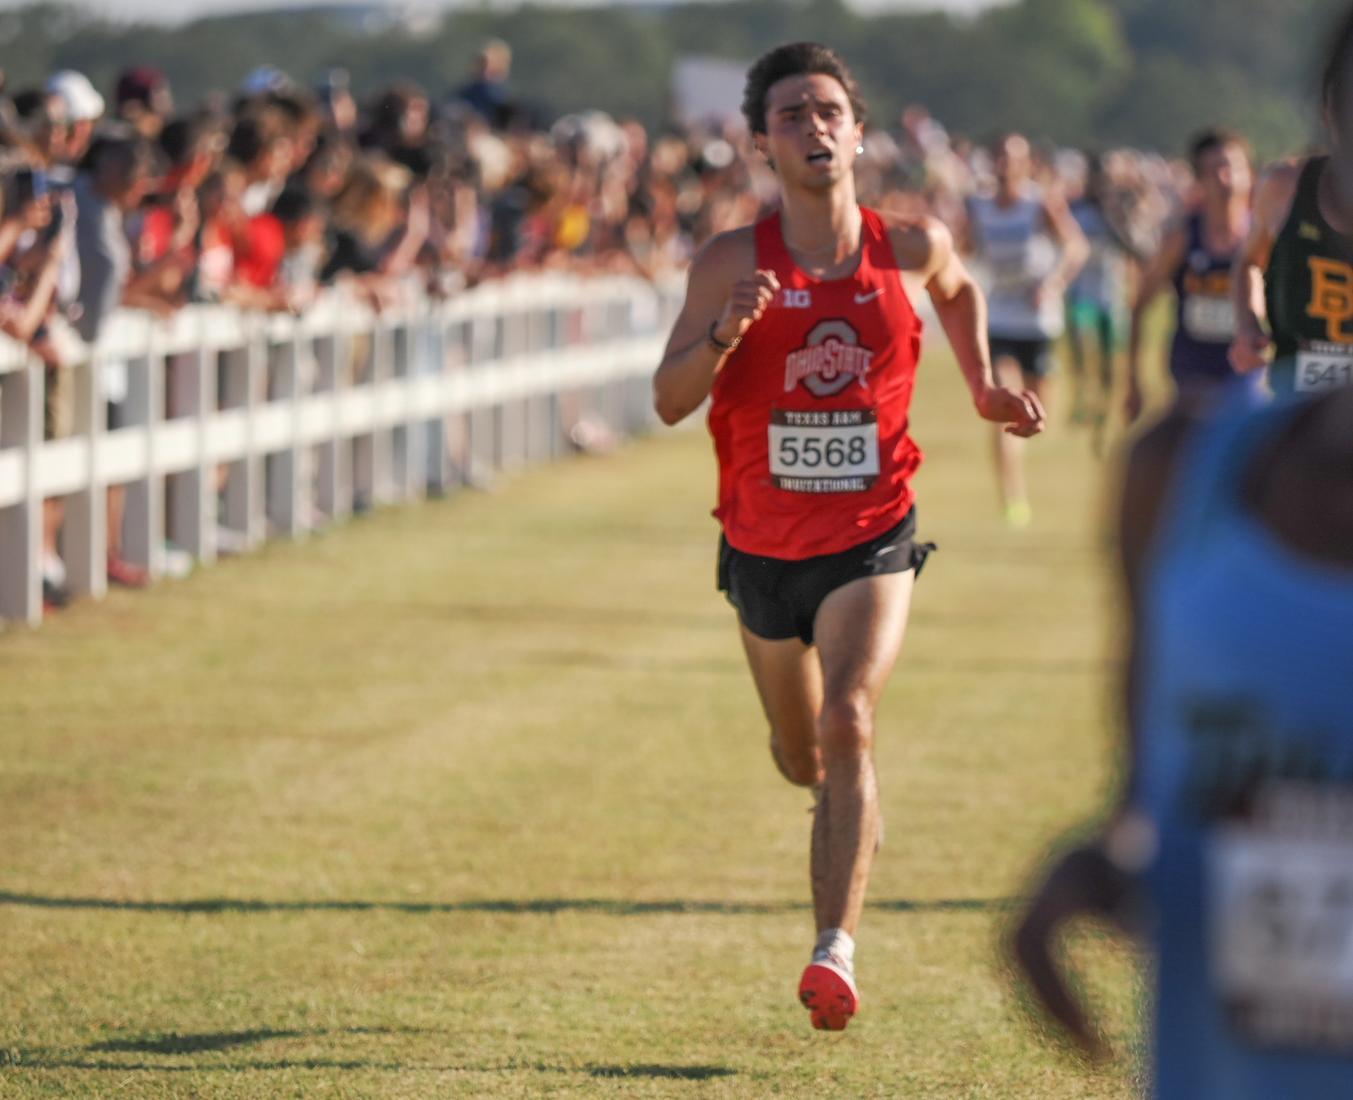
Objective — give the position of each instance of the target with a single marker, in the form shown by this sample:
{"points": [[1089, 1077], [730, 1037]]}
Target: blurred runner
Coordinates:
{"points": [[1233, 845], [1095, 300], [1196, 257], [800, 330], [1031, 248], [1294, 277]]}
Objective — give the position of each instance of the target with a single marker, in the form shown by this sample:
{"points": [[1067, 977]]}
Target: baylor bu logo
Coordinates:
{"points": [[1332, 297], [831, 357]]}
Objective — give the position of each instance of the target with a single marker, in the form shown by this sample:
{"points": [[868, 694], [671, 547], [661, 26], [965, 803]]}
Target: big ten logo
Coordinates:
{"points": [[796, 298], [1332, 297]]}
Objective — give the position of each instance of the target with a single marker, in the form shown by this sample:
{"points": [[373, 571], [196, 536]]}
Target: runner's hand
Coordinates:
{"points": [[1081, 883], [1249, 349], [1021, 412], [746, 303]]}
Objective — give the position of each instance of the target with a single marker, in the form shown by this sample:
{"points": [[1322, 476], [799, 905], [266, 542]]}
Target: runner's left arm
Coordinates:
{"points": [[1273, 198], [927, 248], [1074, 248]]}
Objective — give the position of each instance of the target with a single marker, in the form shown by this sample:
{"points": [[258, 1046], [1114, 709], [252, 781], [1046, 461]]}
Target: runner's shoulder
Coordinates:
{"points": [[1276, 189], [920, 243], [727, 256]]}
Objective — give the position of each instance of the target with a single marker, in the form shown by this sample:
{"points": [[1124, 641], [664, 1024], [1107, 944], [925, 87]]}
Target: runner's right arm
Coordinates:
{"points": [[926, 247], [723, 299], [1272, 203]]}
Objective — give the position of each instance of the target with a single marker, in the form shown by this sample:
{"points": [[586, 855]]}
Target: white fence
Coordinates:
{"points": [[271, 425]]}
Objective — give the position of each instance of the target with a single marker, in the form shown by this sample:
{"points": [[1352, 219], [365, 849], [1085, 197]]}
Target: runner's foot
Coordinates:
{"points": [[827, 988], [1018, 514]]}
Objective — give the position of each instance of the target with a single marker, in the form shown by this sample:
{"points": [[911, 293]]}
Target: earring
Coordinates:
{"points": [[859, 150]]}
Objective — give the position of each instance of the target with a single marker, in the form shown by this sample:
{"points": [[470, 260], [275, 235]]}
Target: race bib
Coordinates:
{"points": [[1280, 894], [1324, 367], [1210, 319], [824, 452]]}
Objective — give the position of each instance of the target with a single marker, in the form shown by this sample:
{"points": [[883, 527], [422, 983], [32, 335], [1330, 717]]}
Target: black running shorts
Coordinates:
{"points": [[1034, 357], [778, 599]]}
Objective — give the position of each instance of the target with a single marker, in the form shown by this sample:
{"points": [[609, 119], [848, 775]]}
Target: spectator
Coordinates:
{"points": [[115, 179], [486, 91], [82, 109], [143, 100], [338, 110], [382, 225]]}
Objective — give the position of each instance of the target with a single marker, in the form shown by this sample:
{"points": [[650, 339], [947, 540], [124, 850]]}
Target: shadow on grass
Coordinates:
{"points": [[680, 1073], [178, 1044], [614, 907], [173, 1042], [235, 1067], [183, 1045]]}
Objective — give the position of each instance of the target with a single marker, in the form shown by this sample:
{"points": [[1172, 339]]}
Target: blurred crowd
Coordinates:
{"points": [[263, 197]]}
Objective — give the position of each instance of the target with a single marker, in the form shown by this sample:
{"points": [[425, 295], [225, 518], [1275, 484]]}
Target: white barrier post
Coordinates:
{"points": [[536, 324], [84, 533], [483, 421], [383, 481], [21, 517], [241, 386], [435, 437], [334, 472], [192, 513], [283, 467], [144, 513]]}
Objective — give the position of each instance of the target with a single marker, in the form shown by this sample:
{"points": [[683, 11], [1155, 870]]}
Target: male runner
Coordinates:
{"points": [[1032, 249], [800, 330], [1096, 297], [1231, 852], [1196, 256], [1293, 281]]}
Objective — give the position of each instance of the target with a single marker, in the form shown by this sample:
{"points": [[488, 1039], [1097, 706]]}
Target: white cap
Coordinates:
{"points": [[83, 102]]}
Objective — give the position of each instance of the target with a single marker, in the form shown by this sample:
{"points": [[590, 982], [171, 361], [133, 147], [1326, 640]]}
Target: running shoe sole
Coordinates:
{"points": [[829, 995]]}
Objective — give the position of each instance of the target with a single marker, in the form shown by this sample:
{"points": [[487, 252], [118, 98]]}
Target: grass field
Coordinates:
{"points": [[473, 799]]}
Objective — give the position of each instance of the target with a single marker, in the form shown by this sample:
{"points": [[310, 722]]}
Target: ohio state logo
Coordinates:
{"points": [[831, 357]]}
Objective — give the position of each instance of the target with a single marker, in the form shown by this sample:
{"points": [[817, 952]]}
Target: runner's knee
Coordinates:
{"points": [[801, 765], [846, 728]]}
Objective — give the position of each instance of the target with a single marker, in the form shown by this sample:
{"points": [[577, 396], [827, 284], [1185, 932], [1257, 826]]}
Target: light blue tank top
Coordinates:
{"points": [[1245, 766], [1017, 254]]}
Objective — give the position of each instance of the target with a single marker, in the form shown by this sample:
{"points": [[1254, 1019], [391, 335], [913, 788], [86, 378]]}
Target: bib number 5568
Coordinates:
{"points": [[812, 452]]}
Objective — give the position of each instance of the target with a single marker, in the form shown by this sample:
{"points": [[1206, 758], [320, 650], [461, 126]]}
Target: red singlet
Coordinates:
{"points": [[810, 413]]}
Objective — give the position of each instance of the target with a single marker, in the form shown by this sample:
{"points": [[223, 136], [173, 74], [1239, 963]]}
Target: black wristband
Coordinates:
{"points": [[717, 344]]}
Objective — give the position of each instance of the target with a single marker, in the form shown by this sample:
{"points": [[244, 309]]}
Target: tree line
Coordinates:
{"points": [[1086, 72]]}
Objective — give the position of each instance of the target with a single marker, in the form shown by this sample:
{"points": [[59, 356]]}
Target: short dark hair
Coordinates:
{"points": [[1334, 75], [120, 145], [1216, 137], [795, 59]]}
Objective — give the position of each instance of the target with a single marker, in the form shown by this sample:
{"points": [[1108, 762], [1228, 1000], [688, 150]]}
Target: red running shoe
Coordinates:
{"points": [[827, 990]]}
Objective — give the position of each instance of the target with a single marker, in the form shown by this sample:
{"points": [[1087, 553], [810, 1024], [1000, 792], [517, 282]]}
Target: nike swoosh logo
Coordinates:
{"points": [[860, 299]]}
